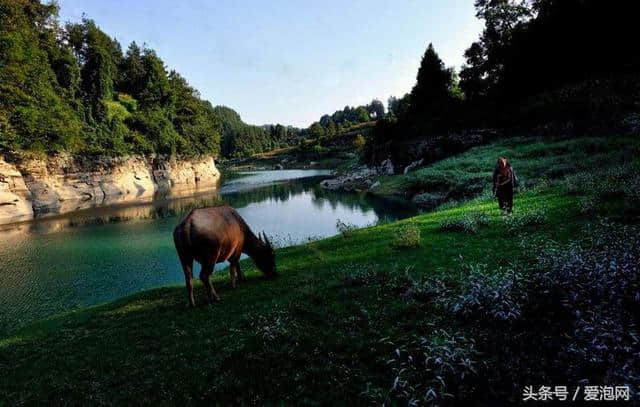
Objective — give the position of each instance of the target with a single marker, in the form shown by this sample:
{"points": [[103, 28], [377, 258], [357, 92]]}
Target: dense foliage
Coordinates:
{"points": [[241, 140], [332, 125], [537, 63], [72, 88]]}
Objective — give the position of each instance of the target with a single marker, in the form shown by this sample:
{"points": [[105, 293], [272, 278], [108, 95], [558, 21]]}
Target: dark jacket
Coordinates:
{"points": [[496, 172]]}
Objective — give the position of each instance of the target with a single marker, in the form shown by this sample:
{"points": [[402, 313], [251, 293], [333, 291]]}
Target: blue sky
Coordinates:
{"points": [[289, 62]]}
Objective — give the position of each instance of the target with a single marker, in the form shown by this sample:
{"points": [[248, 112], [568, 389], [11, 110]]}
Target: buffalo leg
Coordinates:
{"points": [[187, 267], [233, 272], [241, 277], [207, 270]]}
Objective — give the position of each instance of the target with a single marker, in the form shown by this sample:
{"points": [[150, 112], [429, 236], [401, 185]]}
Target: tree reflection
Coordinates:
{"points": [[169, 206]]}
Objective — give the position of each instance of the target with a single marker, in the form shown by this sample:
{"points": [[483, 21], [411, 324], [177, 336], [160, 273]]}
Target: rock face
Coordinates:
{"points": [[357, 180], [14, 204], [64, 183], [386, 168], [413, 165]]}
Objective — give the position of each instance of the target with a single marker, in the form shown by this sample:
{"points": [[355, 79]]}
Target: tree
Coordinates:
{"points": [[486, 57], [156, 90], [132, 71], [316, 131], [33, 110], [361, 115], [99, 56], [376, 109], [433, 82], [194, 119], [331, 129]]}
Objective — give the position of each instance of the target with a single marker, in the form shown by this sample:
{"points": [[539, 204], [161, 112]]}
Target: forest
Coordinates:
{"points": [[71, 87], [542, 66]]}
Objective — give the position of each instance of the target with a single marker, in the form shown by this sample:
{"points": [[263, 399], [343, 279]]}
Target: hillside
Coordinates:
{"points": [[72, 89], [534, 158], [326, 151], [349, 317]]}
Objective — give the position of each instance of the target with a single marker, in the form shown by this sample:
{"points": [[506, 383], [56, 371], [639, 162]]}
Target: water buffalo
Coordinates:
{"points": [[213, 235]]}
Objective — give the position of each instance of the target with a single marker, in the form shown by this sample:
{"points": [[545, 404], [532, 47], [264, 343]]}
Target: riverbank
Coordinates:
{"points": [[132, 247], [338, 323], [325, 316], [467, 175], [33, 186]]}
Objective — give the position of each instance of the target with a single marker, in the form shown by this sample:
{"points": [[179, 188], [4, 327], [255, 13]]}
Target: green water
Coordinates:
{"points": [[53, 265]]}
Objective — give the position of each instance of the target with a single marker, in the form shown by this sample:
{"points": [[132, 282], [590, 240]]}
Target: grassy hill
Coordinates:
{"points": [[463, 301], [533, 158]]}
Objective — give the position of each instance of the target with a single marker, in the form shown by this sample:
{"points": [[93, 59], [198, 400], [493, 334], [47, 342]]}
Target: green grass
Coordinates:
{"points": [[304, 336], [312, 335], [533, 158]]}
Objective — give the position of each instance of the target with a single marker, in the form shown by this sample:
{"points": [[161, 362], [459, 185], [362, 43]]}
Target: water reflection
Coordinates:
{"points": [[100, 254]]}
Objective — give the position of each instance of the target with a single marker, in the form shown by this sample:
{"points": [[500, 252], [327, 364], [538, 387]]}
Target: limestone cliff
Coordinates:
{"points": [[64, 183]]}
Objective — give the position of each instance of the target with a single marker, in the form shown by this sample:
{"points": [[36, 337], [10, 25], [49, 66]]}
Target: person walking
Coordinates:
{"points": [[504, 183]]}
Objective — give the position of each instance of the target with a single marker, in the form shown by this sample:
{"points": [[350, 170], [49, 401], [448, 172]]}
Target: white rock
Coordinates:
{"points": [[62, 183], [386, 168], [413, 165]]}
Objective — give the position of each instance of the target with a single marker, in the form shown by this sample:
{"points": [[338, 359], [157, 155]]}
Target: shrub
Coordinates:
{"points": [[359, 142], [588, 204], [116, 110], [492, 296], [572, 317], [622, 180], [430, 370], [406, 236], [128, 102], [631, 123], [469, 223], [597, 286], [517, 221], [427, 200]]}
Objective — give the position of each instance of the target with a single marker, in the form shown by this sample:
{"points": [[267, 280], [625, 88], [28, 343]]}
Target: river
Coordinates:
{"points": [[52, 265]]}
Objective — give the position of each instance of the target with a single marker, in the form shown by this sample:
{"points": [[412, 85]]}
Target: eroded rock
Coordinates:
{"points": [[63, 183]]}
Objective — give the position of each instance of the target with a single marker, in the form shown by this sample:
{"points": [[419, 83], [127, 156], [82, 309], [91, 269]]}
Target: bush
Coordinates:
{"points": [[571, 318], [517, 221], [430, 370], [359, 142], [588, 204], [427, 200], [116, 111], [622, 180], [631, 124], [406, 236], [469, 223], [493, 296], [128, 102]]}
